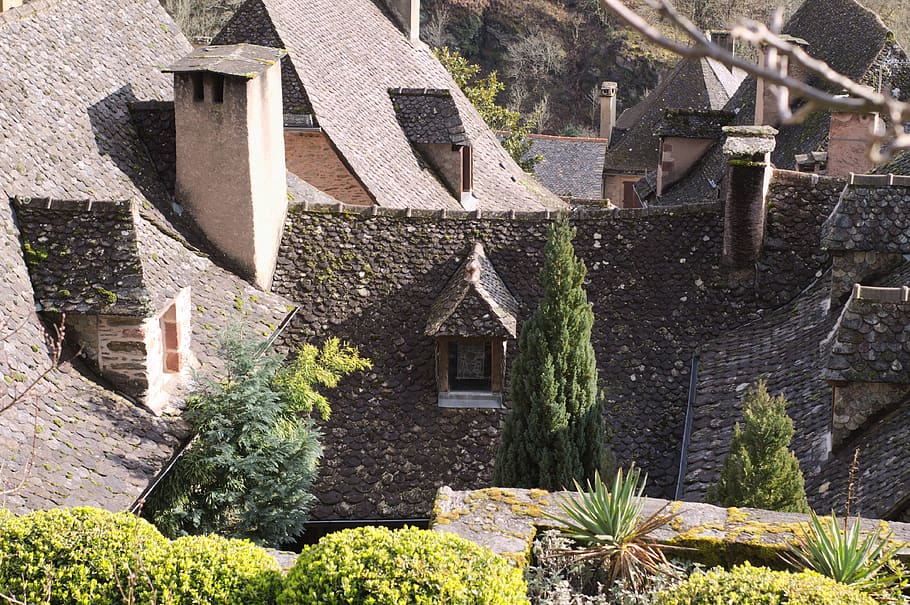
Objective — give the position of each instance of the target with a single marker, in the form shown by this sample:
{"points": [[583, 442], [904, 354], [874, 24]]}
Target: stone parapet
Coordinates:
{"points": [[507, 520]]}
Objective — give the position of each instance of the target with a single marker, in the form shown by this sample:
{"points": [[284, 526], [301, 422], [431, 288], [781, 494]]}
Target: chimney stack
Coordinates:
{"points": [[724, 39], [408, 14], [766, 104], [849, 135], [748, 153], [607, 109], [231, 175]]}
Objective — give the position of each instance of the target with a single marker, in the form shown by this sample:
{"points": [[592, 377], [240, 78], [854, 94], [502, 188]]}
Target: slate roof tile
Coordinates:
{"points": [[428, 116], [571, 166], [871, 217], [347, 56]]}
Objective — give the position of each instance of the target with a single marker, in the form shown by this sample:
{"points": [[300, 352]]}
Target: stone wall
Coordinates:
{"points": [[370, 276], [506, 521], [311, 156]]}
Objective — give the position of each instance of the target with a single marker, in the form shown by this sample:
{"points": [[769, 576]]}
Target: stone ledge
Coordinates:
{"points": [[506, 520]]}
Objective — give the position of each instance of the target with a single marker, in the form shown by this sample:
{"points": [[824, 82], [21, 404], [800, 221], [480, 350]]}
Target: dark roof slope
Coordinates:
{"points": [[873, 214], [83, 257], [871, 342], [475, 302], [701, 84], [571, 166], [347, 56], [428, 116], [694, 123]]}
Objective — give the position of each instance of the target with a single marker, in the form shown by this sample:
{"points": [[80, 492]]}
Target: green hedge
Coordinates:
{"points": [[378, 566], [85, 556], [747, 585]]}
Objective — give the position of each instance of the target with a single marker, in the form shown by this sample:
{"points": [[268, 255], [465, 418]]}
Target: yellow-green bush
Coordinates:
{"points": [[747, 585], [212, 569], [86, 556], [378, 566]]}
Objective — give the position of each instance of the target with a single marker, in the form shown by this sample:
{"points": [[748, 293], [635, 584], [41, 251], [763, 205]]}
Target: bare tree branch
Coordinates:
{"points": [[858, 98]]}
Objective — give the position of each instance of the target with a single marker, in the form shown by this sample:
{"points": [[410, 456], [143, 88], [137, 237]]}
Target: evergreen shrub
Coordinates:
{"points": [[747, 585], [378, 566], [86, 556]]}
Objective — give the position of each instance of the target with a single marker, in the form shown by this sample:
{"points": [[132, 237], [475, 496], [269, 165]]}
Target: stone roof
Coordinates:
{"points": [[396, 263], [872, 339], [571, 166], [873, 214], [83, 256], [475, 302], [428, 116], [240, 60], [694, 123], [844, 34], [699, 84], [899, 164], [345, 56], [91, 71]]}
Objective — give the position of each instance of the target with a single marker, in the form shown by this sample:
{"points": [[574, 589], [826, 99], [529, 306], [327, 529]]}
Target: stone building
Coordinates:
{"points": [[406, 230]]}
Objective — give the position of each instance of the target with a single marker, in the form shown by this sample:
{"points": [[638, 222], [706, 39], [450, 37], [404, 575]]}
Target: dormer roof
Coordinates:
{"points": [[83, 256], [429, 115], [475, 302], [240, 60], [873, 215], [871, 343]]}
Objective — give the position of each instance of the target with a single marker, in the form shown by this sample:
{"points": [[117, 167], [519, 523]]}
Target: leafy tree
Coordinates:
{"points": [[760, 471], [554, 434], [482, 92], [249, 470]]}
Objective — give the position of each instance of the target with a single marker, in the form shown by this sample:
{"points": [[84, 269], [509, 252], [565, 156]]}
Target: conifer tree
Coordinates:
{"points": [[760, 471], [554, 434], [249, 470]]}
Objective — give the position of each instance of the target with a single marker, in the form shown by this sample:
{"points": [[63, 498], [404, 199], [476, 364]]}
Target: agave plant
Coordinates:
{"points": [[845, 555], [607, 523]]}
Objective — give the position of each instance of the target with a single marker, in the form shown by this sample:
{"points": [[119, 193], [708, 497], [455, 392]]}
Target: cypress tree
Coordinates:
{"points": [[760, 471], [554, 434]]}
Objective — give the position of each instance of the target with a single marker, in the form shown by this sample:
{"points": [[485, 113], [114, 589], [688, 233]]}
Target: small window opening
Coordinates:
{"points": [[198, 89], [467, 170], [217, 88], [469, 366], [171, 341]]}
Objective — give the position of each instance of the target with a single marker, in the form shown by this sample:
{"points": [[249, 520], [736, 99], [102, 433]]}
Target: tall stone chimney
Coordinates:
{"points": [[849, 136], [408, 14], [766, 110], [748, 153], [231, 175], [607, 109]]}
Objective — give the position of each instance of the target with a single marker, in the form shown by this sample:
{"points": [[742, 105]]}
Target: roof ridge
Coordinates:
{"points": [[556, 137], [72, 205]]}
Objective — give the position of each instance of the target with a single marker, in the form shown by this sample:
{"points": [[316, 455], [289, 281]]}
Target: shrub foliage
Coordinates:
{"points": [[86, 556], [747, 585], [379, 566], [760, 471], [554, 434], [249, 471]]}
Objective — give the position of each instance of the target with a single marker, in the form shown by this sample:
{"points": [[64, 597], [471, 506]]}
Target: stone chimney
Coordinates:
{"points": [[5, 5], [766, 111], [408, 14], [848, 139], [724, 39], [607, 109], [231, 175], [748, 153]]}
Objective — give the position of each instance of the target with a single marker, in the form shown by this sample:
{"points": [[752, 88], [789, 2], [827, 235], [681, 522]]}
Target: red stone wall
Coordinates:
{"points": [[311, 156]]}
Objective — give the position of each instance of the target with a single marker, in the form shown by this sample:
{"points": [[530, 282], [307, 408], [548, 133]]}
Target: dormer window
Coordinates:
{"points": [[471, 321], [432, 124]]}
